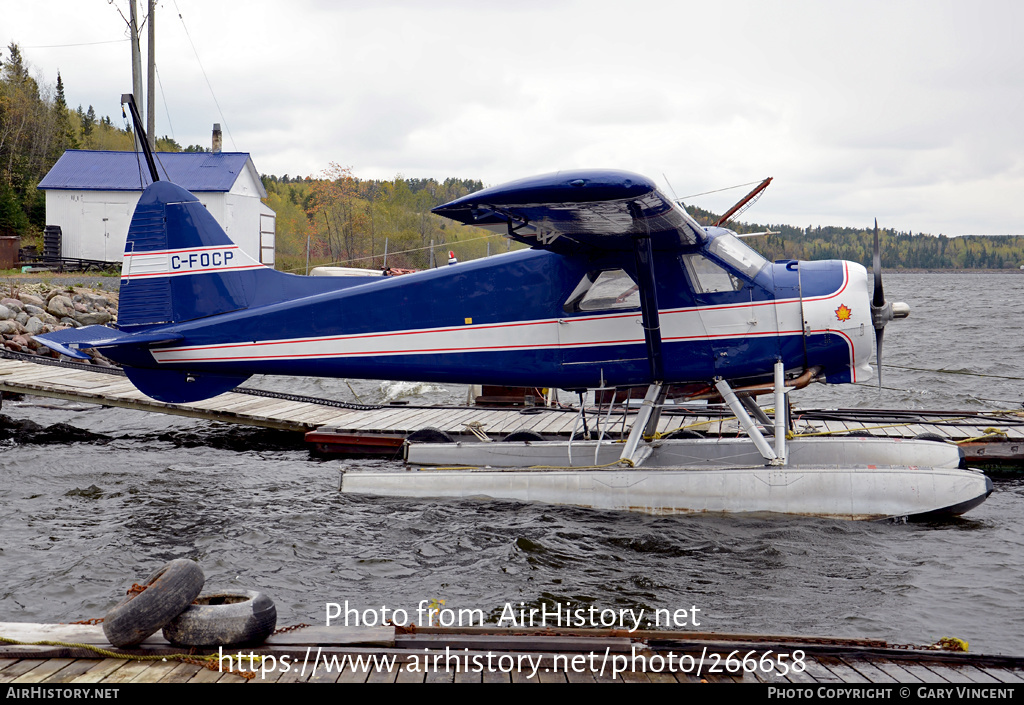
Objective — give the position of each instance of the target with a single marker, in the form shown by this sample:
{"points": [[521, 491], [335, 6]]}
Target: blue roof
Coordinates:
{"points": [[126, 171]]}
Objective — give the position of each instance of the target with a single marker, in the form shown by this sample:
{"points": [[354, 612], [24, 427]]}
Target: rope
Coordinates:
{"points": [[658, 436], [851, 430], [989, 433]]}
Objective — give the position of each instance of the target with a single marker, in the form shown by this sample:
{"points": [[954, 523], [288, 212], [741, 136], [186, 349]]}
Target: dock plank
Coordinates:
{"points": [[898, 673], [496, 677], [407, 676], [156, 671], [820, 672], [1005, 675], [19, 668], [127, 673], [382, 676], [868, 670], [951, 674], [43, 670], [72, 671], [181, 673]]}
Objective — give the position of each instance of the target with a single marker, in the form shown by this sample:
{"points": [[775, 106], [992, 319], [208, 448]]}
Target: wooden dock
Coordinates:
{"points": [[481, 655], [995, 438]]}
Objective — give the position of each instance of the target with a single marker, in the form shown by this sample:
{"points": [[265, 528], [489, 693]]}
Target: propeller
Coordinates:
{"points": [[881, 310]]}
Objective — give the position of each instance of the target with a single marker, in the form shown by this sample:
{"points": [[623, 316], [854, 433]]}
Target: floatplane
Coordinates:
{"points": [[619, 287]]}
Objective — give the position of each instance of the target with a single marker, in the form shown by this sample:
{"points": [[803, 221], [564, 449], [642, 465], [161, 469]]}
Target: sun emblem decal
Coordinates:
{"points": [[843, 313]]}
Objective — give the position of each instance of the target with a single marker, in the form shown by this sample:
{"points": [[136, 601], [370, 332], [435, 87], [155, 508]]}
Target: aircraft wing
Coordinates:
{"points": [[572, 210]]}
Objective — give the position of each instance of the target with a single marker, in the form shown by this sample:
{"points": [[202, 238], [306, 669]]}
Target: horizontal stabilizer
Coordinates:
{"points": [[70, 340], [179, 386]]}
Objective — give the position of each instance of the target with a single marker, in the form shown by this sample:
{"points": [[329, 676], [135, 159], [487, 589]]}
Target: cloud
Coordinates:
{"points": [[857, 108]]}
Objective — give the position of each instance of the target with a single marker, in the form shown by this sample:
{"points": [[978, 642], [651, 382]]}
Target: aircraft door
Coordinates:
{"points": [[789, 311], [602, 331], [741, 325]]}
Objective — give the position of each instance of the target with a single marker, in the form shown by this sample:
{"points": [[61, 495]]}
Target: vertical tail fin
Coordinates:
{"points": [[179, 264]]}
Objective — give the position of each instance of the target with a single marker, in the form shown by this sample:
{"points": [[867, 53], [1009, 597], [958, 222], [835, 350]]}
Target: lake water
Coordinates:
{"points": [[79, 522]]}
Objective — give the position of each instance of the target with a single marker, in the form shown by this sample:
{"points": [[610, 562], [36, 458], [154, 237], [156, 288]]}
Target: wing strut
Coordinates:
{"points": [[648, 292], [647, 417]]}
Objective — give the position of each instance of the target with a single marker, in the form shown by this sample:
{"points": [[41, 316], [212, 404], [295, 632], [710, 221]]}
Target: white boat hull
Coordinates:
{"points": [[687, 453], [841, 493]]}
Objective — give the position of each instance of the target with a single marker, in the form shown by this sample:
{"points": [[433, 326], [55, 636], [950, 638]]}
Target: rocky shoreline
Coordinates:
{"points": [[34, 309]]}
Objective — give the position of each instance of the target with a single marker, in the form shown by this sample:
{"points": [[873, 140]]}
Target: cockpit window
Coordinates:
{"points": [[730, 250], [708, 277], [606, 290]]}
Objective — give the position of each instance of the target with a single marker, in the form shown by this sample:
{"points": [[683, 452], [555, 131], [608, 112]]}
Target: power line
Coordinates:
{"points": [[207, 78], [164, 99], [82, 44], [718, 190]]}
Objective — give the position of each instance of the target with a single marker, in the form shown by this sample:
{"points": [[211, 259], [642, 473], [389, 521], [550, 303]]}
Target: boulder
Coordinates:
{"points": [[61, 306], [32, 300], [34, 326], [92, 319]]}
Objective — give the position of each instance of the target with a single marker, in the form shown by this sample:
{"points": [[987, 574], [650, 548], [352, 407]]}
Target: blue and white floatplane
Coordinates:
{"points": [[619, 287]]}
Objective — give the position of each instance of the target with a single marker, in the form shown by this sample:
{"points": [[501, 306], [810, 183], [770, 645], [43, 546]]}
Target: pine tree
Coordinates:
{"points": [[65, 133]]}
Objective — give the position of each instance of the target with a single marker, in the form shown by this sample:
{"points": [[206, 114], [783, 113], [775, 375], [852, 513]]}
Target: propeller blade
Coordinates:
{"points": [[879, 299], [878, 354]]}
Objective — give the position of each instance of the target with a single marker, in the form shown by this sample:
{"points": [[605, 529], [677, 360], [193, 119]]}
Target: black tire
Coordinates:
{"points": [[224, 619], [520, 436], [429, 435], [168, 591], [683, 433], [930, 437]]}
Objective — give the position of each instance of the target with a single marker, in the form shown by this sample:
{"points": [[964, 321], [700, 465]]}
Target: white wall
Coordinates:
{"points": [[86, 235]]}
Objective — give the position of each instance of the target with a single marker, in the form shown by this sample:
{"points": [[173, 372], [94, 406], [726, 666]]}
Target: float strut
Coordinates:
{"points": [[640, 423], [780, 413], [746, 423], [758, 413]]}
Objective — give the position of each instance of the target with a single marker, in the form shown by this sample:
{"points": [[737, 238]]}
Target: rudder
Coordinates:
{"points": [[179, 264]]}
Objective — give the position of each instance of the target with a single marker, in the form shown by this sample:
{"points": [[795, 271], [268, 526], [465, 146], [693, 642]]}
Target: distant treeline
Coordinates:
{"points": [[900, 250], [337, 218], [347, 221]]}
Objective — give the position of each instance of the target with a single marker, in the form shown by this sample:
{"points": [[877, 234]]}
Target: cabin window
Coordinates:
{"points": [[606, 290]]}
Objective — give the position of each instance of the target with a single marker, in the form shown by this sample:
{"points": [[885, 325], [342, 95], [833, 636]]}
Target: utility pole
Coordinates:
{"points": [[151, 78], [133, 29]]}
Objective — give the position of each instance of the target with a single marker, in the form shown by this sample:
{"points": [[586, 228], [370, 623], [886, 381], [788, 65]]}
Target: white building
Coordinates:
{"points": [[92, 195]]}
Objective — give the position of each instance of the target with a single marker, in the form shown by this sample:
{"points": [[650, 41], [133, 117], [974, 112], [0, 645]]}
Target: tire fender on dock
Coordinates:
{"points": [[168, 591], [223, 619]]}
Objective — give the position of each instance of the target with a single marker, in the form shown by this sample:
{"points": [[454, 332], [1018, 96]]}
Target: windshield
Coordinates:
{"points": [[728, 248]]}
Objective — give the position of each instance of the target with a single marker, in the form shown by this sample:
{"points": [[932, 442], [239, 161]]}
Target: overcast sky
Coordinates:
{"points": [[910, 112]]}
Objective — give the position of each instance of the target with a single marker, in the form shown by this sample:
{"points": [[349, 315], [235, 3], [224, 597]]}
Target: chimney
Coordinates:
{"points": [[216, 138]]}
